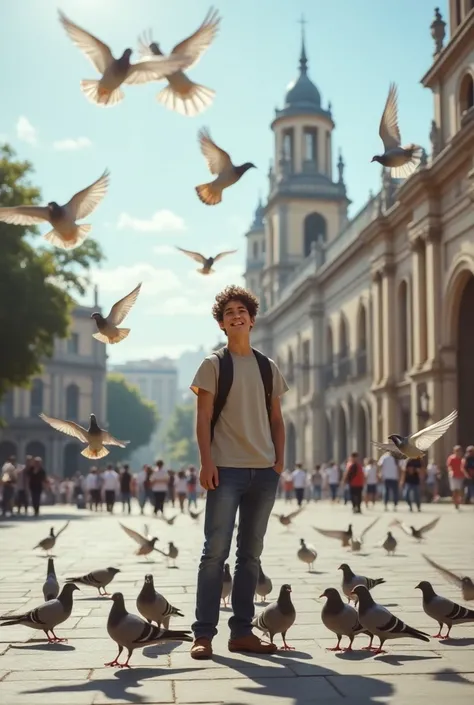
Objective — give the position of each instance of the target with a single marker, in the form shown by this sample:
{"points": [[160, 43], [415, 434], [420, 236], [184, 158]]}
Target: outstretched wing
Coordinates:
{"points": [[331, 533], [217, 159], [427, 436], [223, 254], [388, 130], [108, 440], [68, 427], [197, 43], [95, 50], [294, 514], [64, 527], [141, 540], [367, 528], [452, 577], [24, 215], [406, 529], [121, 308], [389, 448], [84, 202], [429, 526], [197, 256]]}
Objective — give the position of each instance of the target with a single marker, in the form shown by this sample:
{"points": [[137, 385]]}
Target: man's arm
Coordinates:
{"points": [[277, 428], [208, 476]]}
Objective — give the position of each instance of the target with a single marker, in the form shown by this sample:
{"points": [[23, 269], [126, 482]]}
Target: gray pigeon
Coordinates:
{"points": [[466, 584], [108, 330], [47, 616], [278, 617], [131, 632], [350, 580], [390, 543], [415, 533], [226, 584], [153, 606], [264, 584], [206, 262], [51, 585], [416, 444], [344, 536], [286, 519], [307, 554], [380, 622], [357, 542], [50, 541], [98, 579], [340, 618], [147, 545], [441, 609], [171, 555]]}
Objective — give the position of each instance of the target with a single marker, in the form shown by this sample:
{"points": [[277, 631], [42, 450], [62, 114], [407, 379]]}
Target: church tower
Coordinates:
{"points": [[305, 205], [255, 252]]}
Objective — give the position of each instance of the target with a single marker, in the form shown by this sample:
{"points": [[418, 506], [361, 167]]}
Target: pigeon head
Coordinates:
{"points": [[376, 158], [244, 167], [364, 596], [126, 55], [97, 316], [155, 49], [114, 571], [285, 589], [346, 571], [302, 542], [153, 540], [117, 598], [426, 588], [330, 593], [149, 578], [467, 582], [54, 209], [396, 439]]}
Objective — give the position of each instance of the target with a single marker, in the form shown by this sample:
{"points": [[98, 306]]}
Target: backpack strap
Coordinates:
{"points": [[267, 378], [224, 383]]}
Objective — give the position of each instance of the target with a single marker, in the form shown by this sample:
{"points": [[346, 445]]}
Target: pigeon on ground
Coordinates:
{"points": [[390, 543], [169, 520], [206, 262], [171, 555], [466, 584], [356, 543], [106, 91], [108, 331], [441, 609], [402, 161], [50, 585], [344, 536], [153, 606], [415, 533], [341, 619], [416, 444], [226, 584], [49, 542], [131, 632], [307, 554], [181, 94], [97, 578], [95, 437], [380, 622], [286, 519], [264, 584], [147, 545], [66, 234], [219, 163], [277, 617], [47, 616], [350, 580], [195, 515]]}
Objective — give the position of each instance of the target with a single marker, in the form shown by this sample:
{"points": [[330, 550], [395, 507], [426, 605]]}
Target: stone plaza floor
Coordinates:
{"points": [[34, 672]]}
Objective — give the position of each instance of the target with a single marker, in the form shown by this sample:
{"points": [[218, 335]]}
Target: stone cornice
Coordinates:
{"points": [[426, 230], [446, 59]]}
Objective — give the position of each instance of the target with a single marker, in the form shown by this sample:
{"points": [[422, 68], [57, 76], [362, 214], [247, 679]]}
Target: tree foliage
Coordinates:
{"points": [[180, 436], [36, 281], [130, 416]]}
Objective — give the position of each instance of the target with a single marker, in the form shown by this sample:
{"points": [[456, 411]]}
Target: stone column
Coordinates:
{"points": [[419, 302], [377, 327], [388, 321], [433, 290], [317, 407]]}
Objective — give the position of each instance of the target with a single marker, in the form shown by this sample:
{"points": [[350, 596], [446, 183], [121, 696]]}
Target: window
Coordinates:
{"points": [[72, 402], [263, 246], [466, 94], [7, 405], [288, 147], [73, 344], [36, 397], [310, 144], [306, 351], [328, 153], [314, 231], [255, 250]]}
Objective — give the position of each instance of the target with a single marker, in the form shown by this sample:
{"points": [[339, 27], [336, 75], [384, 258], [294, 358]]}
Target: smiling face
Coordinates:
{"points": [[237, 321]]}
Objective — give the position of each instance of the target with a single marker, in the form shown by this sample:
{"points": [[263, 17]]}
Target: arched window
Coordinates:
{"points": [[71, 459], [466, 94], [403, 324], [36, 398], [72, 402], [36, 449], [315, 230]]}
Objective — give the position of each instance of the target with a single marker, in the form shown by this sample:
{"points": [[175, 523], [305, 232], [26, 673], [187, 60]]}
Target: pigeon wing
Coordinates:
{"points": [[95, 50], [389, 448], [388, 130], [294, 514], [197, 256], [141, 540], [367, 528], [429, 526], [331, 533], [223, 254], [155, 69], [109, 440], [217, 159], [121, 308], [24, 215], [64, 527], [86, 201], [197, 43], [427, 436], [144, 41], [406, 529], [68, 427], [452, 577]]}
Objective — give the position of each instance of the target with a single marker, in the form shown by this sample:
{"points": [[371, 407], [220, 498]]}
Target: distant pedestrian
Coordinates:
{"points": [[456, 475], [159, 485], [125, 487], [37, 483], [181, 487], [299, 479], [111, 487], [355, 479], [410, 482]]}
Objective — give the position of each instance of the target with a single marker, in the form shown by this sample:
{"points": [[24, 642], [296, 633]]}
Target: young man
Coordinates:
{"points": [[241, 461]]}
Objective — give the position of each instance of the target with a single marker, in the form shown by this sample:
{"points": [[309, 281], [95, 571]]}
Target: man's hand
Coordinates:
{"points": [[209, 476], [278, 467]]}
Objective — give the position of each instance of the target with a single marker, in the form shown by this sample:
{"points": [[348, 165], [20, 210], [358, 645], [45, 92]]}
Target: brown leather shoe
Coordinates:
{"points": [[201, 649], [251, 644]]}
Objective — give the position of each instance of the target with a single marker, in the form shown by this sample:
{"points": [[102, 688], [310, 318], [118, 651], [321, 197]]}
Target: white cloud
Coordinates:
{"points": [[120, 280], [161, 221], [189, 305], [164, 250], [25, 130], [71, 144]]}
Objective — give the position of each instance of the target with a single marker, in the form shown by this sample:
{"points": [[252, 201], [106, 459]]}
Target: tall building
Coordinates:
{"points": [[371, 320], [71, 386]]}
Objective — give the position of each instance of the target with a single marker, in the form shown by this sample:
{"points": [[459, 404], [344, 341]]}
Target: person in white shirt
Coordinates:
{"points": [[391, 477], [370, 472], [181, 489], [142, 480], [111, 487], [333, 477], [91, 486], [300, 481], [159, 486]]}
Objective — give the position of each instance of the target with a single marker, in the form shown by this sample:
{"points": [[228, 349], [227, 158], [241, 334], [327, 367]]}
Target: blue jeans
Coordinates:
{"points": [[412, 494], [252, 492], [391, 488]]}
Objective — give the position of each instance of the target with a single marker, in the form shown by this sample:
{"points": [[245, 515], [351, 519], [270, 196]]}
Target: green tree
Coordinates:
{"points": [[36, 282], [180, 436], [130, 416]]}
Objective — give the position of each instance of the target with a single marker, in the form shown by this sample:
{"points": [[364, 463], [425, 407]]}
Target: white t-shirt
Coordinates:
{"points": [[181, 485], [370, 472], [92, 481], [332, 473], [159, 480], [389, 467], [110, 481], [299, 479]]}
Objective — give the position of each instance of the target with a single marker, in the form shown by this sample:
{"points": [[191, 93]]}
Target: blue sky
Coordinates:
{"points": [[354, 51]]}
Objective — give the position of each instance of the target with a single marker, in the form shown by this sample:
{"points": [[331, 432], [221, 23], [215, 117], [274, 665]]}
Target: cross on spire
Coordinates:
{"points": [[303, 58]]}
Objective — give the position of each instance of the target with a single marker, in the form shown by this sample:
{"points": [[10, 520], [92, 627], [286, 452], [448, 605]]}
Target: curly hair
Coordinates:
{"points": [[234, 293]]}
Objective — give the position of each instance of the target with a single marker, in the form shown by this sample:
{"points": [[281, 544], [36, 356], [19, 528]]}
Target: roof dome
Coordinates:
{"points": [[258, 217], [302, 92]]}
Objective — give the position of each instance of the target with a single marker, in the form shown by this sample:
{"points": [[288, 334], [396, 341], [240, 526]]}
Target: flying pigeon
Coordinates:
{"points": [[382, 623], [286, 519], [50, 541], [66, 234], [350, 580], [307, 554], [356, 543], [466, 584], [390, 543], [402, 161], [108, 331], [50, 585], [95, 437], [181, 94], [206, 262], [169, 520], [97, 578], [226, 584], [264, 584], [131, 632], [147, 545], [106, 91], [171, 555], [415, 533], [416, 445], [341, 619], [441, 609], [195, 515], [219, 163], [277, 617], [153, 606], [47, 616], [344, 536]]}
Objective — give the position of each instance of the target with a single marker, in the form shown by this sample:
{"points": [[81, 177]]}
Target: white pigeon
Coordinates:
{"points": [[97, 578], [66, 234], [442, 610], [416, 444], [106, 91], [95, 437], [181, 94], [108, 331], [402, 161], [206, 262]]}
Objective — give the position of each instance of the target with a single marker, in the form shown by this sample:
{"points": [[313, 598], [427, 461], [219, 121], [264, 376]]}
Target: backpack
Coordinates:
{"points": [[226, 377]]}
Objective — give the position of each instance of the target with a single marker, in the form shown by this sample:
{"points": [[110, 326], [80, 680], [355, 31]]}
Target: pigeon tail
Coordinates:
{"points": [[94, 454], [54, 238], [209, 194], [415, 633], [177, 635], [191, 102], [372, 582], [95, 93], [122, 333]]}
